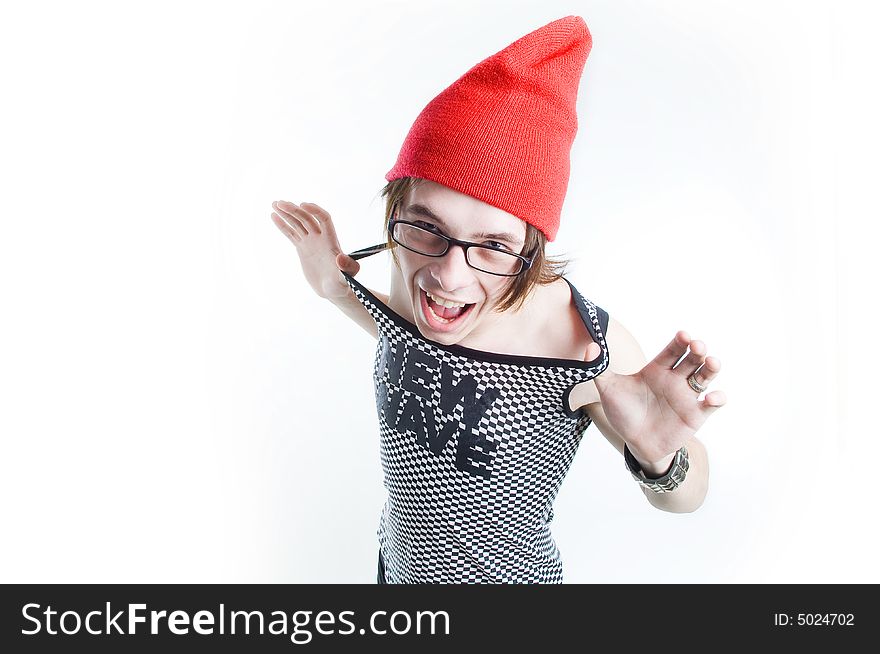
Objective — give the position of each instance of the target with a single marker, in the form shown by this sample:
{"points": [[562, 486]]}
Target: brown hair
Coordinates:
{"points": [[544, 270]]}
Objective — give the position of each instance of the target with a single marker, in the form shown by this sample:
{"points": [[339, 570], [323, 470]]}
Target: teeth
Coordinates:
{"points": [[439, 318], [449, 304]]}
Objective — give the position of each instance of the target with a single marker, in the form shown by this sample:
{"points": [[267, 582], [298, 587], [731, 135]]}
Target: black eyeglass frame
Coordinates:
{"points": [[464, 245]]}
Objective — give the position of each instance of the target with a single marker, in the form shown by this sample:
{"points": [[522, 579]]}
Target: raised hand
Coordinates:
{"points": [[656, 410], [310, 228]]}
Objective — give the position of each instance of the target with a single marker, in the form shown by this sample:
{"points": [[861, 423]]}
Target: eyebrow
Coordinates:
{"points": [[425, 212]]}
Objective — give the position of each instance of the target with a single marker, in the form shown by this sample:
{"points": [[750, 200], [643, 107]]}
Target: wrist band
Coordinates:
{"points": [[668, 482]]}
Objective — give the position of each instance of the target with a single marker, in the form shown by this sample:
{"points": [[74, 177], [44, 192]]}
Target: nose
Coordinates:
{"points": [[451, 271]]}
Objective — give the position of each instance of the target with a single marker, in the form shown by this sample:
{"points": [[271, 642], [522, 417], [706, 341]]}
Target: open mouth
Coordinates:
{"points": [[442, 314]]}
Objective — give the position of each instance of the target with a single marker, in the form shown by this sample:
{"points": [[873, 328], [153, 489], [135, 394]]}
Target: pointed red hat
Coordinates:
{"points": [[502, 133]]}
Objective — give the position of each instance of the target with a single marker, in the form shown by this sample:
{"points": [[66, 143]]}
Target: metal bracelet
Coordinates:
{"points": [[673, 478]]}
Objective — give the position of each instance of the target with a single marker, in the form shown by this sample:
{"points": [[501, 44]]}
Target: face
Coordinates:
{"points": [[450, 300]]}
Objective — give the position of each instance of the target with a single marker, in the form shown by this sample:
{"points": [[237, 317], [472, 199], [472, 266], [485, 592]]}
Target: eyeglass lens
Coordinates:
{"points": [[429, 243]]}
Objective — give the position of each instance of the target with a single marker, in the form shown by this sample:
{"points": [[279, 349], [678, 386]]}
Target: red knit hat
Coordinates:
{"points": [[502, 133]]}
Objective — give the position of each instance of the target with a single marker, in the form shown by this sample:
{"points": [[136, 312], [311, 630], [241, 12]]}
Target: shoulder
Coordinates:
{"points": [[554, 321], [625, 353], [625, 357]]}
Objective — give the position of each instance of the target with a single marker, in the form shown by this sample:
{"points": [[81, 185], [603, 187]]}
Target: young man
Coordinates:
{"points": [[490, 365]]}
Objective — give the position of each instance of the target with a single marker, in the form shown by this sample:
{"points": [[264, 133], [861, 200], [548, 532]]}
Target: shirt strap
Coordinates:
{"points": [[595, 317]]}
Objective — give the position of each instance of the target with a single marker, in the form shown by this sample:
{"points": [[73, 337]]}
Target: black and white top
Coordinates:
{"points": [[474, 447]]}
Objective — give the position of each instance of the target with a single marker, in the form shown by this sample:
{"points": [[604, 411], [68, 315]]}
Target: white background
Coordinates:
{"points": [[177, 406]]}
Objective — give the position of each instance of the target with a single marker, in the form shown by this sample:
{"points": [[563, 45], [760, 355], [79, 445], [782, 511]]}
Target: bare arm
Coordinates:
{"points": [[686, 498], [310, 228], [629, 361]]}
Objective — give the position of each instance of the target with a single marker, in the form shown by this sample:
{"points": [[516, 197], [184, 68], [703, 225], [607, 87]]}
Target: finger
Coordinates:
{"points": [[286, 212], [713, 401], [295, 212], [292, 223], [321, 214], [347, 265], [708, 371], [286, 229], [319, 223], [593, 352], [674, 351], [695, 357]]}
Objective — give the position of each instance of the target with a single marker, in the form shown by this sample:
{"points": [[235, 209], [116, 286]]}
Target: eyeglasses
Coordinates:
{"points": [[433, 243]]}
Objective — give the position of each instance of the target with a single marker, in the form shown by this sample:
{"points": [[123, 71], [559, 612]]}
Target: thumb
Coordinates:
{"points": [[347, 265]]}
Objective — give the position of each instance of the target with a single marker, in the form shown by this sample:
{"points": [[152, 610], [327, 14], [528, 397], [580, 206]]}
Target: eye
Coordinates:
{"points": [[424, 225], [496, 245]]}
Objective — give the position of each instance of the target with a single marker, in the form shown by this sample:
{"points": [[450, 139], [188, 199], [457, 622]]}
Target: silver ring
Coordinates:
{"points": [[693, 383]]}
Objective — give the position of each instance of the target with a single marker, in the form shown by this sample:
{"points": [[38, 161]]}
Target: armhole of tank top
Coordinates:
{"points": [[602, 318], [601, 315]]}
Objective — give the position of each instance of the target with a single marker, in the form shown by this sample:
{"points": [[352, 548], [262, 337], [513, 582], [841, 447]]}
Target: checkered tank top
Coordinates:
{"points": [[474, 447]]}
